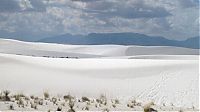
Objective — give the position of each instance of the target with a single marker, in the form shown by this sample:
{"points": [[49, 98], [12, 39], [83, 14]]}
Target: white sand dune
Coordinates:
{"points": [[159, 74], [163, 81], [88, 51]]}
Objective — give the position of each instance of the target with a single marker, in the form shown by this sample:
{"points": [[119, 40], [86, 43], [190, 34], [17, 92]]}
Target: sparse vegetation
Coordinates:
{"points": [[102, 99], [85, 99], [18, 96], [116, 101], [46, 95], [130, 105], [33, 105], [113, 105], [32, 97], [54, 100], [71, 106], [59, 103], [68, 97], [59, 108], [20, 102], [148, 107], [11, 107], [40, 102], [5, 95]]}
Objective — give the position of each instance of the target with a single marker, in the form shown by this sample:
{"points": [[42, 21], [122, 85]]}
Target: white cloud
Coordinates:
{"points": [[174, 19]]}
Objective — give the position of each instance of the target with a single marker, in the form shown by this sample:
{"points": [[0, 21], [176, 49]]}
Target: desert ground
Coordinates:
{"points": [[49, 77]]}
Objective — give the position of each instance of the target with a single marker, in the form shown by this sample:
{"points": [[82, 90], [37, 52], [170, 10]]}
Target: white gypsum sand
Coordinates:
{"points": [[88, 51], [163, 79]]}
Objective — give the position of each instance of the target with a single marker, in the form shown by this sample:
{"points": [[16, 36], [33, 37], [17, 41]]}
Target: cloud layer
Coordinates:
{"points": [[34, 19]]}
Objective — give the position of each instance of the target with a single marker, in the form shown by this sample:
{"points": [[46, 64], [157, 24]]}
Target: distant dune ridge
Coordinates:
{"points": [[90, 51], [121, 39]]}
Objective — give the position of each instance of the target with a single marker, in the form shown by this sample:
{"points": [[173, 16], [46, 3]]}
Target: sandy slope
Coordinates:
{"points": [[163, 81], [88, 51], [160, 74]]}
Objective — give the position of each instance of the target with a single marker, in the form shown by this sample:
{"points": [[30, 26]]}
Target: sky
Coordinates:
{"points": [[35, 19]]}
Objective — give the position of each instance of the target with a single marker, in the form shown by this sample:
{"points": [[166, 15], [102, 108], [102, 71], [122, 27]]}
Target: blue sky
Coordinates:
{"points": [[35, 19]]}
